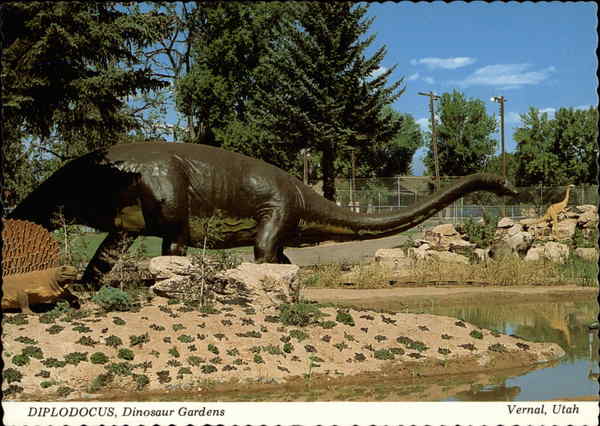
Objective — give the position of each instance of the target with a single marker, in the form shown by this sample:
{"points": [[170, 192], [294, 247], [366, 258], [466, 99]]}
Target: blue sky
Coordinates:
{"points": [[533, 54]]}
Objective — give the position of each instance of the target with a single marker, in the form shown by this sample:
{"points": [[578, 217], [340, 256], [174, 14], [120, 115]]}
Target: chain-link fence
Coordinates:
{"points": [[383, 195]]}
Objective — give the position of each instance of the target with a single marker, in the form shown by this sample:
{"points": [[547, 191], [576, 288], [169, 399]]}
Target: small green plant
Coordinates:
{"points": [[174, 352], [157, 327], [75, 358], [215, 360], [383, 354], [195, 360], [81, 328], [482, 234], [444, 351], [255, 334], [183, 371], [447, 336], [476, 334], [177, 327], [272, 349], [247, 321], [26, 340], [173, 363], [98, 358], [299, 335], [468, 346], [380, 338], [100, 381], [497, 347], [397, 351], [155, 354], [64, 391], [212, 348], [20, 360], [53, 363], [288, 347], [126, 354], [113, 341], [55, 329], [233, 352], [11, 375], [119, 321], [208, 368], [258, 359], [299, 314], [359, 357], [87, 341], [112, 299], [344, 317], [43, 373], [47, 383], [184, 338], [139, 340], [327, 324], [119, 368], [163, 376], [220, 336], [141, 381], [341, 346], [33, 352], [17, 319]]}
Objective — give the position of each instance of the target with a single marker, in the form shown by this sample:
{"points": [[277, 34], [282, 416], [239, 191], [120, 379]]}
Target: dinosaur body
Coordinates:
{"points": [[173, 190], [46, 286], [555, 209]]}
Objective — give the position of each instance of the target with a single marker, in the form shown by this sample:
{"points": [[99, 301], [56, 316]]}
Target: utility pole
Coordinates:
{"points": [[501, 100], [433, 97], [305, 157]]}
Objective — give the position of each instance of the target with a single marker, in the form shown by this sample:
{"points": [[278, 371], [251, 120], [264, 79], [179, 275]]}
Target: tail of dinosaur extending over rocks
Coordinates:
{"points": [[325, 220]]}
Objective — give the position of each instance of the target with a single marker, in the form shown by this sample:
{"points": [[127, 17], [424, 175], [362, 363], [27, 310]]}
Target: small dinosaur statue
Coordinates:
{"points": [[555, 209], [171, 190], [48, 285]]}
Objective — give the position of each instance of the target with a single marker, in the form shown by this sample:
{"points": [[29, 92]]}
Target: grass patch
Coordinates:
{"points": [[344, 317], [11, 375], [299, 314], [98, 358]]}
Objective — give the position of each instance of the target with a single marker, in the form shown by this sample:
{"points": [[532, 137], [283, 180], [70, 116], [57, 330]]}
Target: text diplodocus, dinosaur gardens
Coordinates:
{"points": [[125, 412]]}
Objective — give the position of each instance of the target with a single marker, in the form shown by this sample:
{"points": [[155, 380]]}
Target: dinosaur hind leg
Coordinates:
{"points": [[113, 246], [268, 247]]}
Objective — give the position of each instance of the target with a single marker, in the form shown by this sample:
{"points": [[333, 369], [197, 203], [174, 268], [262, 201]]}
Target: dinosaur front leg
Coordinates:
{"points": [[113, 246], [268, 247]]}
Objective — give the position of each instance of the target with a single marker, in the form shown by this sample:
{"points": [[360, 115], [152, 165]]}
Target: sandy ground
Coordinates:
{"points": [[165, 347]]}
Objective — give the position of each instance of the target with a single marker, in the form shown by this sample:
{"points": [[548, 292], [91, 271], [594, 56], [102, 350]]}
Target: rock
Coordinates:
{"points": [[566, 229], [262, 285], [584, 208], [169, 266], [501, 249], [394, 258], [556, 252], [519, 242], [588, 218], [445, 229], [420, 253], [590, 253], [175, 287], [447, 257], [534, 253], [460, 244], [516, 228], [505, 222]]}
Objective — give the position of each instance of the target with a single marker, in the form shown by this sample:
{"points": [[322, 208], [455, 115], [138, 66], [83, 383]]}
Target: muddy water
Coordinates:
{"points": [[565, 323]]}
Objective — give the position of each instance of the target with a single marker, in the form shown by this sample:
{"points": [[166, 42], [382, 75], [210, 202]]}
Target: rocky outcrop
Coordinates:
{"points": [[260, 286]]}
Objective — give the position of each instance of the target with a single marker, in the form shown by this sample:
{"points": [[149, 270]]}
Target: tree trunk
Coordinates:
{"points": [[327, 165]]}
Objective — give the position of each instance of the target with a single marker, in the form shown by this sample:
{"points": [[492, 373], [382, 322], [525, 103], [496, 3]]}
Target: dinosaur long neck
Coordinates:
{"points": [[324, 220]]}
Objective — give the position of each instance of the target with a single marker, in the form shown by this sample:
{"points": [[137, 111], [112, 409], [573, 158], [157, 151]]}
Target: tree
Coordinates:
{"points": [[464, 136], [323, 93], [557, 151], [67, 69]]}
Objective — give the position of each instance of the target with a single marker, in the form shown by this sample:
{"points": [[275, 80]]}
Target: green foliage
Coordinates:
{"points": [[327, 324], [344, 317], [139, 340], [141, 381], [383, 354], [126, 354], [174, 352], [86, 341], [26, 340], [43, 373], [298, 335], [113, 341], [100, 381], [17, 319], [75, 358], [47, 383], [464, 136], [482, 234], [33, 352], [208, 368], [288, 347], [212, 348], [20, 360], [497, 347], [476, 334], [119, 368], [64, 391], [557, 151], [258, 359], [112, 299], [98, 358], [53, 363], [10, 375], [195, 360], [299, 314]]}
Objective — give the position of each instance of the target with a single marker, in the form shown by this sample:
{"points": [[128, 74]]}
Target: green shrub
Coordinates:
{"points": [[299, 314], [47, 383], [258, 359], [288, 347], [100, 381], [195, 360], [33, 352], [212, 348], [184, 338], [208, 368], [119, 368], [53, 363], [112, 299], [64, 391], [298, 335], [20, 360], [86, 341], [233, 352], [344, 317], [174, 352], [497, 347], [113, 341], [126, 354], [26, 340], [476, 334], [482, 234], [139, 340], [11, 375], [141, 381], [98, 358], [327, 324], [383, 354], [75, 357], [55, 329]]}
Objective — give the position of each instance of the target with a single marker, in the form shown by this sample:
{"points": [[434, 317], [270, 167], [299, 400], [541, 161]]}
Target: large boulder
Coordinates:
{"points": [[566, 229], [169, 266], [262, 286], [448, 257], [505, 222], [534, 254], [446, 237], [556, 252], [395, 259]]}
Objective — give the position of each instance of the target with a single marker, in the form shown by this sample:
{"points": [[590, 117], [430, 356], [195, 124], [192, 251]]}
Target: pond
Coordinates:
{"points": [[565, 323]]}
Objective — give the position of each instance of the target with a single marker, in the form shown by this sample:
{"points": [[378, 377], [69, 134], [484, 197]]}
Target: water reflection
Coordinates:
{"points": [[565, 323]]}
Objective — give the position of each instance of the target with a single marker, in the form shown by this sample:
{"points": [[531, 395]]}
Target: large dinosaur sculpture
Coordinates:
{"points": [[171, 190], [555, 209]]}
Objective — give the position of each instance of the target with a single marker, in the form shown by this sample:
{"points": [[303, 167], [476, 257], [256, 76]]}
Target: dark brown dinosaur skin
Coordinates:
{"points": [[168, 189]]}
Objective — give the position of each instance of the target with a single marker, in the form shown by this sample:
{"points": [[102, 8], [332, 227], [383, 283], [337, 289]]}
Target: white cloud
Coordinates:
{"points": [[582, 107], [429, 80], [423, 124], [506, 76], [444, 63], [413, 76]]}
